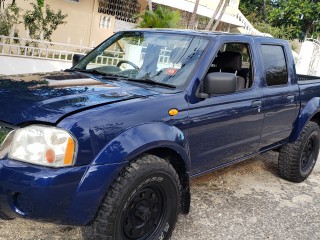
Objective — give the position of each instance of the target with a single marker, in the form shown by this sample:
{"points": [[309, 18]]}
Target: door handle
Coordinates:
{"points": [[290, 97], [257, 103]]}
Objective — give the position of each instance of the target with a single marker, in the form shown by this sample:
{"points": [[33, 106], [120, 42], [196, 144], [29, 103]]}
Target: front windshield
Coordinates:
{"points": [[159, 57]]}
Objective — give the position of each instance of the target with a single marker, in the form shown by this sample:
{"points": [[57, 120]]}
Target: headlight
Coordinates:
{"points": [[43, 145]]}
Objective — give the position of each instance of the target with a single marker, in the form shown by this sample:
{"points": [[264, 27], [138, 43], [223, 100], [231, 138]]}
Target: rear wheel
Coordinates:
{"points": [[143, 203], [297, 159]]}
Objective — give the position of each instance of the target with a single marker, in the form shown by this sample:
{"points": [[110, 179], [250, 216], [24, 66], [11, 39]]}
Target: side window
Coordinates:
{"points": [[275, 65], [235, 58]]}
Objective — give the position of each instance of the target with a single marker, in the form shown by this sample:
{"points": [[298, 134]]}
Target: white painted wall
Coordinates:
{"points": [[305, 57], [18, 65]]}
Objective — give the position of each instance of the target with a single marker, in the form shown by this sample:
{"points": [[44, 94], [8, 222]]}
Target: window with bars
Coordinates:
{"points": [[125, 10]]}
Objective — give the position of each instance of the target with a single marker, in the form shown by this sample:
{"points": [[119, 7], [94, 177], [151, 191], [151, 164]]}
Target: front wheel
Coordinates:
{"points": [[142, 203], [297, 159]]}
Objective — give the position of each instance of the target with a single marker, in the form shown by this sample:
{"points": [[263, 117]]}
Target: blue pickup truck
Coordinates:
{"points": [[111, 144]]}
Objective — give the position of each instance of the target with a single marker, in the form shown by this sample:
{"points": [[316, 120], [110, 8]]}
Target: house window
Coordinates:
{"points": [[77, 1], [124, 10]]}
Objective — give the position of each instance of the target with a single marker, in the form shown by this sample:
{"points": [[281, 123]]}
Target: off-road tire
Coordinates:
{"points": [[142, 203], [297, 159]]}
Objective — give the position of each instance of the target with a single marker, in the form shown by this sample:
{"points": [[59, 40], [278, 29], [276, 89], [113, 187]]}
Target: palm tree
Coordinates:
{"points": [[215, 14], [220, 16], [162, 17], [150, 5], [192, 22]]}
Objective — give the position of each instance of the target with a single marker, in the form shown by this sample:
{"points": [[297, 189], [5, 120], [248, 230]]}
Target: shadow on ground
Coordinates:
{"points": [[244, 201]]}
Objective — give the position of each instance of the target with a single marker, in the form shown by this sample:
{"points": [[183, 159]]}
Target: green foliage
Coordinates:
{"points": [[40, 3], [254, 9], [277, 32], [299, 13], [283, 18], [8, 18], [42, 23], [162, 17]]}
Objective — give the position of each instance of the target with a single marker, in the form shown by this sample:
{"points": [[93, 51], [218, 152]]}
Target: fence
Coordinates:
{"points": [[24, 47]]}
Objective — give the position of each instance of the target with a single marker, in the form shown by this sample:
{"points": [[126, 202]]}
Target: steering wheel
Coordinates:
{"points": [[128, 62]]}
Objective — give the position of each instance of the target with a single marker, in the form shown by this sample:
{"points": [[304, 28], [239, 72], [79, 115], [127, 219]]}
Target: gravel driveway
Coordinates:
{"points": [[245, 201]]}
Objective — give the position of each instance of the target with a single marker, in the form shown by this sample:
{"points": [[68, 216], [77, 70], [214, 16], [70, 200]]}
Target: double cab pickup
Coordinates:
{"points": [[111, 143]]}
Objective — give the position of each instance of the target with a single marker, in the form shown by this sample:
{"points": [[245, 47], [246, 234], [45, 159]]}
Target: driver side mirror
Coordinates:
{"points": [[218, 83], [76, 58]]}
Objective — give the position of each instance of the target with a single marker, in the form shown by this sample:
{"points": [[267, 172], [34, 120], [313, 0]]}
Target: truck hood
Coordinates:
{"points": [[49, 97]]}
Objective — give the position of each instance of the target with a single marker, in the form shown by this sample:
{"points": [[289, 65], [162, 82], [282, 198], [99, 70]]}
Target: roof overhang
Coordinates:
{"points": [[202, 10]]}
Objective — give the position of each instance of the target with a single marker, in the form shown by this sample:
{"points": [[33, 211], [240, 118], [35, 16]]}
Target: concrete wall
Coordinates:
{"points": [[17, 65], [83, 21]]}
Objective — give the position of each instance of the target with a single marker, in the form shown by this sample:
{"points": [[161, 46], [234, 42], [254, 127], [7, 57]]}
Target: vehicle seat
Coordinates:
{"points": [[231, 62], [149, 65]]}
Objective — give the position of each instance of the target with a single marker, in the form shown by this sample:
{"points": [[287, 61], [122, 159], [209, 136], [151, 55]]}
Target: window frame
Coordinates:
{"points": [[250, 53], [265, 70]]}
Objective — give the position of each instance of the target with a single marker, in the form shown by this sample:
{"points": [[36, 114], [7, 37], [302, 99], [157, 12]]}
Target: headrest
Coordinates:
{"points": [[177, 55], [229, 60]]}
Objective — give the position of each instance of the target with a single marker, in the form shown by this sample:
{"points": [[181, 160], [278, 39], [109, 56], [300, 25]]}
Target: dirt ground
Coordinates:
{"points": [[245, 201]]}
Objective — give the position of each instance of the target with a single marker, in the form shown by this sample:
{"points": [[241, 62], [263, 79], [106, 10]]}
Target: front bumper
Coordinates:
{"points": [[67, 195], [37, 192]]}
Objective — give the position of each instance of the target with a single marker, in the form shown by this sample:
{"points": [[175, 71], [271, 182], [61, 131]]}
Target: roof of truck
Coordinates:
{"points": [[194, 32]]}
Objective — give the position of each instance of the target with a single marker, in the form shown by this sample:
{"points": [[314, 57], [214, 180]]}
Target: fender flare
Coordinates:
{"points": [[115, 155], [142, 138], [307, 113]]}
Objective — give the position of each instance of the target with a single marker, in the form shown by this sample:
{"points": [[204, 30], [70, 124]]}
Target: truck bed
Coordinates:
{"points": [[301, 77]]}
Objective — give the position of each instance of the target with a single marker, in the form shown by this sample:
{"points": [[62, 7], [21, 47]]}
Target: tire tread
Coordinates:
{"points": [[289, 156], [97, 229]]}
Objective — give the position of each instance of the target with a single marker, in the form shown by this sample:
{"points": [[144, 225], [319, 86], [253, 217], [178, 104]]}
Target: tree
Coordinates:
{"points": [[8, 18], [254, 10], [215, 14], [42, 23], [287, 18], [162, 17], [192, 22], [303, 14]]}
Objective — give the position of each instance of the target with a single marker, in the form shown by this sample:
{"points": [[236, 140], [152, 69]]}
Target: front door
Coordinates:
{"points": [[227, 127]]}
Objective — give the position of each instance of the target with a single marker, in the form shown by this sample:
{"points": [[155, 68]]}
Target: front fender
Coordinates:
{"points": [[111, 160], [142, 138], [307, 113]]}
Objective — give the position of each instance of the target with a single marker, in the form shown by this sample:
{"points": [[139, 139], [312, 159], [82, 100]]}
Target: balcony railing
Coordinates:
{"points": [[24, 47]]}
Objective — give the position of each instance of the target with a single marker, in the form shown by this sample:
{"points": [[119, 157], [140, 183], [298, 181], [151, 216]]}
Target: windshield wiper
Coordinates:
{"points": [[88, 71], [116, 76], [109, 75], [149, 81]]}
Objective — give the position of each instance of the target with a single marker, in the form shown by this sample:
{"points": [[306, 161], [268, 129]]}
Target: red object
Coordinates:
{"points": [[171, 71]]}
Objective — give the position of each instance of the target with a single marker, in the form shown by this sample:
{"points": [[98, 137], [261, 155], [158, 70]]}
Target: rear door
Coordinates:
{"points": [[280, 93]]}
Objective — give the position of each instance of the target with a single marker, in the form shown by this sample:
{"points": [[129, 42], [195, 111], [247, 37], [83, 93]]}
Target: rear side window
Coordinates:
{"points": [[275, 65]]}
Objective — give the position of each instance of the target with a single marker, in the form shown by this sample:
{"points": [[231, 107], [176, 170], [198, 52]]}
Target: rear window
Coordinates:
{"points": [[275, 65]]}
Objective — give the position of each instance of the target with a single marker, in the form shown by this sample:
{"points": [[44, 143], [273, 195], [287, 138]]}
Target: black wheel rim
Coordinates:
{"points": [[307, 157], [144, 213]]}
